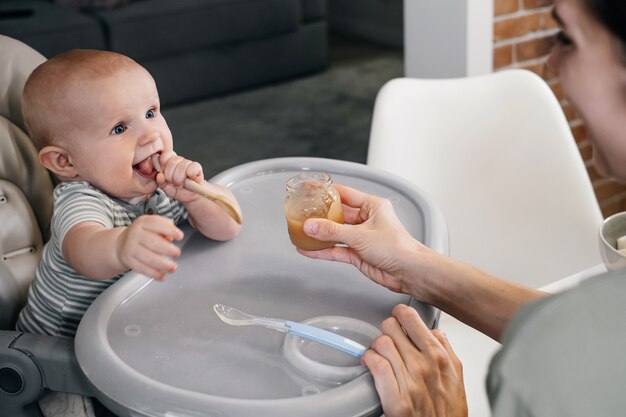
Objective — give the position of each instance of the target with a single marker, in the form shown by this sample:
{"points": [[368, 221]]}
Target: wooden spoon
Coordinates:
{"points": [[218, 199]]}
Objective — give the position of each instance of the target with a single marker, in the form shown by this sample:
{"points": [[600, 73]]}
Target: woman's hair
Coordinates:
{"points": [[612, 14]]}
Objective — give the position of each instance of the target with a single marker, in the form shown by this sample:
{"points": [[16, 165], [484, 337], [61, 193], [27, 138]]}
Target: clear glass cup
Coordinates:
{"points": [[310, 195]]}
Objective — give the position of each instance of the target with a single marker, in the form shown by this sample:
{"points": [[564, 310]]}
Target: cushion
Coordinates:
{"points": [[144, 30], [213, 71], [49, 29], [19, 163], [313, 10]]}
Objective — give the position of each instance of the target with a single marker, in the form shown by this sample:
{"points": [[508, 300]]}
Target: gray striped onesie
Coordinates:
{"points": [[60, 296]]}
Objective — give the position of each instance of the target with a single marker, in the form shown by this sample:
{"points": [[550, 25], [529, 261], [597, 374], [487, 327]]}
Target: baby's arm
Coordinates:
{"points": [[204, 215], [145, 246]]}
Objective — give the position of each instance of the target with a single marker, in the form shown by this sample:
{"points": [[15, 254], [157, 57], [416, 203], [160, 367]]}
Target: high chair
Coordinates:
{"points": [[29, 364]]}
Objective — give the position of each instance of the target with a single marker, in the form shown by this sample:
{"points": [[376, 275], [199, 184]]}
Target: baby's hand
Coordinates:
{"points": [[175, 170], [146, 246]]}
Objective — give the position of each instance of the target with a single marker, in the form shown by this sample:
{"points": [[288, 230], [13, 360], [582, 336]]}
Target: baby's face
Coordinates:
{"points": [[116, 126]]}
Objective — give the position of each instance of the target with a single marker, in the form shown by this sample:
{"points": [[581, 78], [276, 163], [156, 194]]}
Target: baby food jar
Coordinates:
{"points": [[310, 194]]}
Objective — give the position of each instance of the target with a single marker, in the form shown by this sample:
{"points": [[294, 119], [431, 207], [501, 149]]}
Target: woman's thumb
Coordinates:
{"points": [[323, 229]]}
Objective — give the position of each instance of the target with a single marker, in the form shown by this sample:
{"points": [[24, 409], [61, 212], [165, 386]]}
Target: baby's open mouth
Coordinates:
{"points": [[145, 168]]}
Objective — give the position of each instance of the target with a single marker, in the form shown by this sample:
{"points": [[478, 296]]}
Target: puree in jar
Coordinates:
{"points": [[310, 195]]}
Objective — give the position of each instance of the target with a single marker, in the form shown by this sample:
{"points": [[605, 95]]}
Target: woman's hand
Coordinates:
{"points": [[415, 371], [378, 244]]}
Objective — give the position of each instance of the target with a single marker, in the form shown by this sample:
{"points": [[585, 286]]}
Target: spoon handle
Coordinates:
{"points": [[327, 338], [220, 200]]}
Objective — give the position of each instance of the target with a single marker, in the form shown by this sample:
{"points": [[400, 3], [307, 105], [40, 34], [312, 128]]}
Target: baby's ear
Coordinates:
{"points": [[57, 160]]}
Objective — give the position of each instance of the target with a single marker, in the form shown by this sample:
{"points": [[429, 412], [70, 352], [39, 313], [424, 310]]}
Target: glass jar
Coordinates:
{"points": [[310, 194]]}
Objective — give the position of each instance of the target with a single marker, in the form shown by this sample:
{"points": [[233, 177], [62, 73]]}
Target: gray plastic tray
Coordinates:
{"points": [[157, 348]]}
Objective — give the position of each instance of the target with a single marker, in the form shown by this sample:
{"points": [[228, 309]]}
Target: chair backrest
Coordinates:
{"points": [[497, 154], [25, 186]]}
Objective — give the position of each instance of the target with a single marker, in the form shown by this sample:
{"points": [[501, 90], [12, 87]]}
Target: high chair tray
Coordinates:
{"points": [[157, 348]]}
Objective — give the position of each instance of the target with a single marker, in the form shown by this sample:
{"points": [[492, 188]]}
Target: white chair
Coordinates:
{"points": [[497, 154]]}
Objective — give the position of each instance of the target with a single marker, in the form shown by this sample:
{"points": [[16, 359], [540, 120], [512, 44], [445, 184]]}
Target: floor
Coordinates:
{"points": [[326, 114]]}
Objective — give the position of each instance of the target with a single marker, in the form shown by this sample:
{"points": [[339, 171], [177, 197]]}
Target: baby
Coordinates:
{"points": [[95, 119]]}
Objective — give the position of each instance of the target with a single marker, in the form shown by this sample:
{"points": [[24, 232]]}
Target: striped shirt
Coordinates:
{"points": [[60, 296]]}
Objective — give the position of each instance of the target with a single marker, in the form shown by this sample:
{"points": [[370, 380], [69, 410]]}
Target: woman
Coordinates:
{"points": [[561, 355]]}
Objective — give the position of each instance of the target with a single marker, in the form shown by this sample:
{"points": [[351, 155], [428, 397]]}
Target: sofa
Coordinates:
{"points": [[379, 21], [194, 48]]}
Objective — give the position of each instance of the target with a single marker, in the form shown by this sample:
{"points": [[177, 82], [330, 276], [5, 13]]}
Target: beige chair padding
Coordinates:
{"points": [[25, 186]]}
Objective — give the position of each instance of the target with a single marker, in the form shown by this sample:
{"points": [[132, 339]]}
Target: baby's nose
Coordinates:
{"points": [[149, 137]]}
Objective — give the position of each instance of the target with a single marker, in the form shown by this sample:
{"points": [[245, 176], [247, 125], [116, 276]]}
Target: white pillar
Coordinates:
{"points": [[448, 38]]}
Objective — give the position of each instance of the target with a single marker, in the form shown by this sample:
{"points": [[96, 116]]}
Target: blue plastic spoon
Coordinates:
{"points": [[235, 317]]}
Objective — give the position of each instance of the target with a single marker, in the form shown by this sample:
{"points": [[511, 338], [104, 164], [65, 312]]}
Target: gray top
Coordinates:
{"points": [[59, 295], [563, 355], [157, 348]]}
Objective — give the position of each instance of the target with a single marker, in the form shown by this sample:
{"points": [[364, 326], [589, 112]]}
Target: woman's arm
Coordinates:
{"points": [[478, 299], [381, 248]]}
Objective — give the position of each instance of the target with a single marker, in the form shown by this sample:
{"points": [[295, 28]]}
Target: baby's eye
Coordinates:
{"points": [[118, 129], [150, 114]]}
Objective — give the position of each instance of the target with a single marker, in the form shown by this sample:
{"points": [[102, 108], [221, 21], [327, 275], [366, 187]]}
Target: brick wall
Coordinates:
{"points": [[524, 33]]}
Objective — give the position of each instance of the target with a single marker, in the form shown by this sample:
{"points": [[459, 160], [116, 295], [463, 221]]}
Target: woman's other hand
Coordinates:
{"points": [[416, 372]]}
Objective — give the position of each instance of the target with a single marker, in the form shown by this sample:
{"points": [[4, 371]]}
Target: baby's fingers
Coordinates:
{"points": [[194, 171], [155, 258], [161, 226], [152, 271], [177, 173], [178, 169], [152, 264]]}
